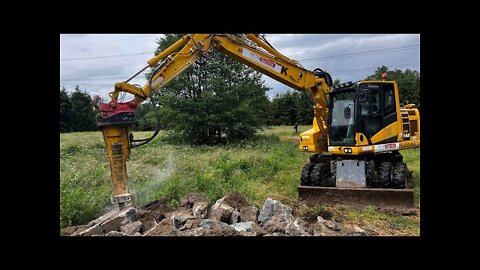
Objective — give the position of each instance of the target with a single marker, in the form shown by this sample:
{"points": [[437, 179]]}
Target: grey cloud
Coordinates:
{"points": [[89, 73], [297, 46], [351, 68]]}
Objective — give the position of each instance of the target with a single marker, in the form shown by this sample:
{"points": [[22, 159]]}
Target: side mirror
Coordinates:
{"points": [[347, 113], [362, 96]]}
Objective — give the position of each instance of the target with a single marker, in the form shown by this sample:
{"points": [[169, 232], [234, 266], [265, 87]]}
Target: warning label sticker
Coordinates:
{"points": [[387, 147], [262, 60]]}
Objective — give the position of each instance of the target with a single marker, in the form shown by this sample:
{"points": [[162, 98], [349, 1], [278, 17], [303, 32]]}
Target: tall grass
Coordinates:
{"points": [[412, 158], [268, 166]]}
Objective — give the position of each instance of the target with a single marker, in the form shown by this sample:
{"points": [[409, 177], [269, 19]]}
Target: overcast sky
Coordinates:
{"points": [[96, 61]]}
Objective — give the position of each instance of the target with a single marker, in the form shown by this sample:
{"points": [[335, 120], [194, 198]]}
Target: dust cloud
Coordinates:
{"points": [[143, 191]]}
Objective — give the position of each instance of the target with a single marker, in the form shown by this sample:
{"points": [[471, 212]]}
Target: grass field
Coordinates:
{"points": [[268, 166]]}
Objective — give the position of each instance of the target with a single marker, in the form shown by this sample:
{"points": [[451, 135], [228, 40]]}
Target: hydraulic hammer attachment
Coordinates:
{"points": [[116, 134]]}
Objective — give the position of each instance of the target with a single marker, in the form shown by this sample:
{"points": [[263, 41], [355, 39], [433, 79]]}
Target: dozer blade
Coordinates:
{"points": [[334, 196]]}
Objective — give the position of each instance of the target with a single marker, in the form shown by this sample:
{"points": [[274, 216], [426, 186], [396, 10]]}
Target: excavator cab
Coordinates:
{"points": [[366, 128], [360, 111]]}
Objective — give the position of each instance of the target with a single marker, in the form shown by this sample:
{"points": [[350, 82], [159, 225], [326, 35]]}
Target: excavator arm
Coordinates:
{"points": [[117, 117], [270, 62], [173, 63]]}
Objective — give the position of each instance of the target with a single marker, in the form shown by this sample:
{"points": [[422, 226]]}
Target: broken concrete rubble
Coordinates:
{"points": [[231, 215], [132, 228]]}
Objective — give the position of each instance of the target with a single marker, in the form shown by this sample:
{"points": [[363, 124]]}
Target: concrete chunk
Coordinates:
{"points": [[111, 221], [132, 228]]}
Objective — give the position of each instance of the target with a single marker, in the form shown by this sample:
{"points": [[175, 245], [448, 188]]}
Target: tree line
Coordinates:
{"points": [[76, 111], [282, 110], [408, 83]]}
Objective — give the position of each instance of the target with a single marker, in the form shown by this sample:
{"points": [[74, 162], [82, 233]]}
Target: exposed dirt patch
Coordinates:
{"points": [[153, 213], [399, 211], [192, 199], [236, 200], [324, 213], [310, 214]]}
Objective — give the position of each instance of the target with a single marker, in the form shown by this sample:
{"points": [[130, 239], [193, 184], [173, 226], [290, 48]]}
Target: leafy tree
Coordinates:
{"points": [[83, 114], [222, 100], [337, 81], [408, 83], [65, 111], [290, 108], [285, 109], [146, 117], [304, 107]]}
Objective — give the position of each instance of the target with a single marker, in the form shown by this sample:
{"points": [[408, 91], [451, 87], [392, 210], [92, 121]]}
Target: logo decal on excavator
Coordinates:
{"points": [[390, 146], [264, 61], [267, 61], [387, 147]]}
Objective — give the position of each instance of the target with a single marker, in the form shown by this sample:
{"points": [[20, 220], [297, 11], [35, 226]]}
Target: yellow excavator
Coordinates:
{"points": [[357, 130]]}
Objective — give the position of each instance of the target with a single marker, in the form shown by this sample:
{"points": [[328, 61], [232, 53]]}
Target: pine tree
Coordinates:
{"points": [[290, 108], [83, 115], [304, 107], [65, 111]]}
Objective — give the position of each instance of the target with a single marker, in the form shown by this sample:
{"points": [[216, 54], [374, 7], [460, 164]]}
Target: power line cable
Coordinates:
{"points": [[109, 41], [98, 79], [337, 71], [103, 56], [386, 50], [92, 84], [368, 68]]}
